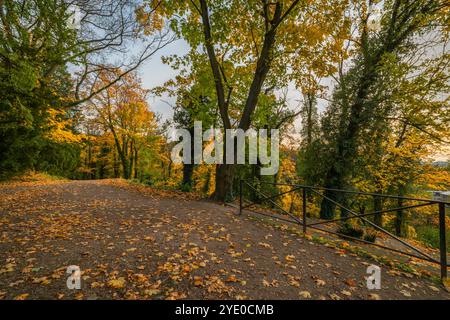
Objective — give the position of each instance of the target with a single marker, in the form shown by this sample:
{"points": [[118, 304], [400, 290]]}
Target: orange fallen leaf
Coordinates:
{"points": [[231, 278], [22, 296], [350, 282], [290, 258], [198, 281]]}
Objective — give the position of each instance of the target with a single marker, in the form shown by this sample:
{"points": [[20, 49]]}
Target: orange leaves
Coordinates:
{"points": [[290, 258], [41, 280], [215, 285], [22, 296], [345, 245], [186, 268], [273, 283], [350, 282], [232, 278], [374, 296]]}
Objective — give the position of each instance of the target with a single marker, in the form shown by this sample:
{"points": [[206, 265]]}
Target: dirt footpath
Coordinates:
{"points": [[134, 244]]}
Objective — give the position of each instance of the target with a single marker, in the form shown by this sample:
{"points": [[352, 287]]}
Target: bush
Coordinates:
{"points": [[186, 187], [370, 236], [430, 236], [351, 230]]}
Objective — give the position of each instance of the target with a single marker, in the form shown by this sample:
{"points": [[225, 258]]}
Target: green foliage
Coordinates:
{"points": [[351, 230], [429, 234], [33, 78]]}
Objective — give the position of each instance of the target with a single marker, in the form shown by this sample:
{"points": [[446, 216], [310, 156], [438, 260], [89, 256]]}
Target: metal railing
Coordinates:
{"points": [[418, 254]]}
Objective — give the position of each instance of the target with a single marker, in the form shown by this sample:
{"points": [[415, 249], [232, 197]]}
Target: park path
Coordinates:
{"points": [[133, 242]]}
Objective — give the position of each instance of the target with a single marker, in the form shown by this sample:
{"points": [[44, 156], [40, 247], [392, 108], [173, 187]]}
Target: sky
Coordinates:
{"points": [[155, 73]]}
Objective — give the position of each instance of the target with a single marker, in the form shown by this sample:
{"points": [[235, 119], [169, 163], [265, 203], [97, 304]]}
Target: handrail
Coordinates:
{"points": [[357, 192], [428, 202]]}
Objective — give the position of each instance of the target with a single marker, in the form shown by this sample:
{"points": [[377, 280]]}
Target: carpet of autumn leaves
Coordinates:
{"points": [[134, 242]]}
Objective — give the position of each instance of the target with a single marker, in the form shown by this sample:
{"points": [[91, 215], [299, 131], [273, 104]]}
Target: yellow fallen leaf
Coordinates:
{"points": [[405, 293], [446, 283], [22, 296], [152, 292], [79, 296], [334, 296], [374, 296], [294, 283], [42, 280], [141, 278], [290, 258], [346, 293], [186, 268], [320, 282], [117, 283], [265, 245], [305, 294]]}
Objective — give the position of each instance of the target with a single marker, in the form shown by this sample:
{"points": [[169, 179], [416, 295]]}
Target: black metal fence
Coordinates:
{"points": [[303, 220]]}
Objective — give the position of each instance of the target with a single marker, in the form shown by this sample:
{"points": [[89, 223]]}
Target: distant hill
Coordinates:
{"points": [[441, 163]]}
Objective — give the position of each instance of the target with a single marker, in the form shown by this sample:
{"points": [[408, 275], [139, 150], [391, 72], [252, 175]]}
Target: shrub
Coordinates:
{"points": [[430, 236], [350, 230]]}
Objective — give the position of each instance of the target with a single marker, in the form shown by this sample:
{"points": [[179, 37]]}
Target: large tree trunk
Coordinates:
{"points": [[378, 206], [131, 159], [115, 163], [207, 183], [125, 167], [188, 168], [224, 182], [136, 163], [256, 180], [188, 171], [401, 227]]}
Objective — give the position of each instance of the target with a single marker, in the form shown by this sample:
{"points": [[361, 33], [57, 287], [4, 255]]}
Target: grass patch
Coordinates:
{"points": [[430, 236]]}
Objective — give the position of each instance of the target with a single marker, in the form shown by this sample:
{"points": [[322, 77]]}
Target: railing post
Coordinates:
{"points": [[304, 210], [443, 243], [240, 196]]}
